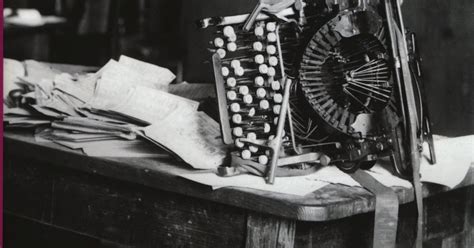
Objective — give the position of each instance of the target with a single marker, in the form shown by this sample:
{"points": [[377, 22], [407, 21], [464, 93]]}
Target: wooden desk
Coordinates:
{"points": [[116, 202], [142, 203]]}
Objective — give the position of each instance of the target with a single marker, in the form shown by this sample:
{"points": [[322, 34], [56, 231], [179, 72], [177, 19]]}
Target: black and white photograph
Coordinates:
{"points": [[238, 123]]}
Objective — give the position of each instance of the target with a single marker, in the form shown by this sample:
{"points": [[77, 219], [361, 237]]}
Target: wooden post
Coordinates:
{"points": [[267, 231]]}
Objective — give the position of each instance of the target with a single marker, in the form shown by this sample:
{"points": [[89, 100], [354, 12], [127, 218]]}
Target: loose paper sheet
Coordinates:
{"points": [[332, 174], [194, 137], [152, 106], [454, 158], [12, 69], [159, 76], [126, 149], [82, 89], [299, 186]]}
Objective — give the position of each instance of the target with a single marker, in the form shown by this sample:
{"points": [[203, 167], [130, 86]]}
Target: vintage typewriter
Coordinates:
{"points": [[304, 83]]}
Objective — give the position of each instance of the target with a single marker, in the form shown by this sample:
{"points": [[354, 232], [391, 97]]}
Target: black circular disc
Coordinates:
{"points": [[344, 70]]}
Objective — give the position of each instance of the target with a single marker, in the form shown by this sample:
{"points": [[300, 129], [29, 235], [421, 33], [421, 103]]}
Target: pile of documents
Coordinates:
{"points": [[124, 109]]}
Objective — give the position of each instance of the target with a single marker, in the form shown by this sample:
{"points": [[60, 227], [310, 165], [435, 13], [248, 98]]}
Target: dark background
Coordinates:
{"points": [[164, 32]]}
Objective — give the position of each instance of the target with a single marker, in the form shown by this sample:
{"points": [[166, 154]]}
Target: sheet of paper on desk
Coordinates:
{"points": [[194, 137], [299, 186], [12, 69], [117, 78], [332, 174], [160, 76], [152, 106], [37, 71], [123, 149], [81, 88], [17, 111], [454, 158], [64, 135]]}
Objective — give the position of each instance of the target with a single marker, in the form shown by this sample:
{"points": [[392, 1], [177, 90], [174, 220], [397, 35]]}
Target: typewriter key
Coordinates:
{"points": [[271, 26], [259, 31], [273, 61], [231, 47], [278, 98], [271, 72], [246, 154], [237, 119], [259, 59], [238, 143], [253, 149], [257, 46], [261, 93], [244, 90], [225, 71], [275, 85], [231, 95], [221, 52], [238, 131], [235, 63], [228, 31], [218, 42], [264, 104], [271, 37], [248, 99], [259, 81], [262, 159], [271, 49]]}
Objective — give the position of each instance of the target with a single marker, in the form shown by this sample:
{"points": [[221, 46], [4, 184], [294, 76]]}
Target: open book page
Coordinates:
{"points": [[161, 77], [153, 105], [454, 158], [194, 137], [285, 185]]}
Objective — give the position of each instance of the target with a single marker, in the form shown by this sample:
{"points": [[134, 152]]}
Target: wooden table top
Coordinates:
{"points": [[328, 203]]}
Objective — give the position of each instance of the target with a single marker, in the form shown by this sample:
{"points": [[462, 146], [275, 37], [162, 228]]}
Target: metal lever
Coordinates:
{"points": [[266, 6], [275, 144]]}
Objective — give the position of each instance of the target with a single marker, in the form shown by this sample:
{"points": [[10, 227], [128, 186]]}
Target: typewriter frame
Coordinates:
{"points": [[404, 136]]}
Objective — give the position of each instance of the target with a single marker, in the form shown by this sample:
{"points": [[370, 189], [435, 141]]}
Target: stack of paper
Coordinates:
{"points": [[116, 111]]}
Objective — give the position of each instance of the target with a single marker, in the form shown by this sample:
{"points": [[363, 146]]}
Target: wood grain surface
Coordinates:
{"points": [[329, 203]]}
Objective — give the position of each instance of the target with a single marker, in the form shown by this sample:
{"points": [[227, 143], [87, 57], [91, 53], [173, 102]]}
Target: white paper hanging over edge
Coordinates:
{"points": [[193, 136], [454, 158]]}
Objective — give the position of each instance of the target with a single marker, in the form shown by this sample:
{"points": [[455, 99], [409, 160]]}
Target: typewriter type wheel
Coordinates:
{"points": [[344, 74]]}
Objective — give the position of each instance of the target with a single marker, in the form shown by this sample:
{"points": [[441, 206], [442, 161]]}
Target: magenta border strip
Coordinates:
{"points": [[1, 132]]}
